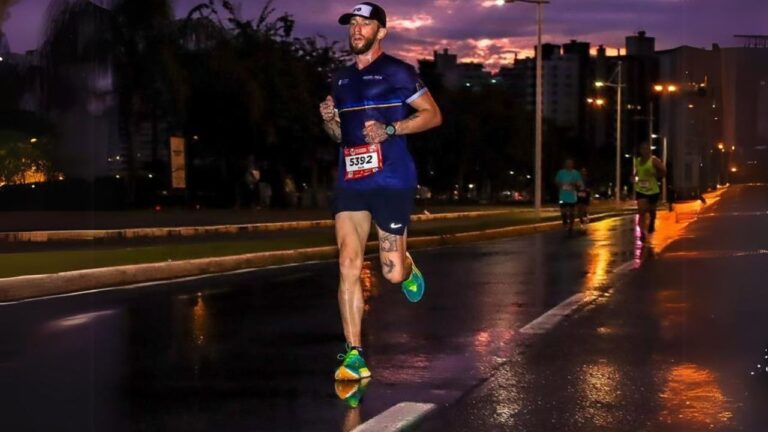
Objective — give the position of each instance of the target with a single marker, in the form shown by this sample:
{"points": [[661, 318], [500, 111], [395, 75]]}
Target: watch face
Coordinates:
{"points": [[390, 130]]}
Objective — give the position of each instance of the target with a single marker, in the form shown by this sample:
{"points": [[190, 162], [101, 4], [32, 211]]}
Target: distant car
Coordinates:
{"points": [[512, 196]]}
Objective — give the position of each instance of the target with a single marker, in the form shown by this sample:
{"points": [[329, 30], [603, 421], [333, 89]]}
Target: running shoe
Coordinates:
{"points": [[352, 367], [413, 287], [351, 391]]}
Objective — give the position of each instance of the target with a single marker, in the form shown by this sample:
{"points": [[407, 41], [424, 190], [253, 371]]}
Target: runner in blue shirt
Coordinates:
{"points": [[375, 102], [568, 182]]}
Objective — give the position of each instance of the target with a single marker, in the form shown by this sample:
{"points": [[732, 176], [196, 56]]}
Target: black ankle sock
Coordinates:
{"points": [[358, 348]]}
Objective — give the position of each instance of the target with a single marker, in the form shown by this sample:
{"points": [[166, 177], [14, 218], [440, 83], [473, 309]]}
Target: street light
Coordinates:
{"points": [[596, 101], [539, 98], [618, 87], [665, 89]]}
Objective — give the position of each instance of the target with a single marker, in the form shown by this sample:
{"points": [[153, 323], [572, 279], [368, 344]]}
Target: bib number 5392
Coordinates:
{"points": [[362, 161]]}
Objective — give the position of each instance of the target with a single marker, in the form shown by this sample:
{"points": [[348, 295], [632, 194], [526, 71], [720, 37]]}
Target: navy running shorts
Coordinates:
{"points": [[390, 209]]}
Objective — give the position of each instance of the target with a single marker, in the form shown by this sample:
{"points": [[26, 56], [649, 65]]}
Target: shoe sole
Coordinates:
{"points": [[344, 374]]}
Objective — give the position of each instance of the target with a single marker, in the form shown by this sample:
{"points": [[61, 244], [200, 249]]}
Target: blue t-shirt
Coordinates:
{"points": [[382, 91], [568, 182]]}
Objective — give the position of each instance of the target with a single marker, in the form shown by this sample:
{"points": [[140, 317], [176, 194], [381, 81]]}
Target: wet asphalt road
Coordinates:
{"points": [[675, 347], [256, 351]]}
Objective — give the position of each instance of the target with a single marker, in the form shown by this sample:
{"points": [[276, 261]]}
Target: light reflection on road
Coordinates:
{"points": [[692, 399]]}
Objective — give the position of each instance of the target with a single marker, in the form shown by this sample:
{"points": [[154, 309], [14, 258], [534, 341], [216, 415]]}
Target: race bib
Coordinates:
{"points": [[362, 161], [644, 184], [568, 187]]}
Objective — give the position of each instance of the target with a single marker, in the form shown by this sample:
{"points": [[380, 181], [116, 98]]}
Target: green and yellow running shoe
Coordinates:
{"points": [[352, 368], [413, 287], [351, 391]]}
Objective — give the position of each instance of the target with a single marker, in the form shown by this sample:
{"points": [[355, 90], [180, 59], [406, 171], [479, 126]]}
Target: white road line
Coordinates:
{"points": [[627, 266], [160, 282], [404, 414], [396, 418], [550, 318]]}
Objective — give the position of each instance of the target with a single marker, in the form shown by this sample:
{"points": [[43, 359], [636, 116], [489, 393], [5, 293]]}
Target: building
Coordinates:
{"points": [[564, 84], [453, 74], [715, 122]]}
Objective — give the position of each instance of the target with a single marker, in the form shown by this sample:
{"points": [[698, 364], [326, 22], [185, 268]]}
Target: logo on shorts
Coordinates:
{"points": [[395, 226]]}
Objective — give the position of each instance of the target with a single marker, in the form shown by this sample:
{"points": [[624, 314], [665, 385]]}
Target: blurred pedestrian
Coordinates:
{"points": [[568, 183]]}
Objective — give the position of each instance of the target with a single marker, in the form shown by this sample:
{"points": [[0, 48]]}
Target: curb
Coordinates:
{"points": [[27, 287], [154, 232]]}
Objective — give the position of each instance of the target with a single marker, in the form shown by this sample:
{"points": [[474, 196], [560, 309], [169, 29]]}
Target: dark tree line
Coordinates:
{"points": [[245, 92]]}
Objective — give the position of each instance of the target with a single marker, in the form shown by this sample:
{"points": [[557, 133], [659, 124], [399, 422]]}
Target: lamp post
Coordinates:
{"points": [[539, 98], [618, 87], [663, 89]]}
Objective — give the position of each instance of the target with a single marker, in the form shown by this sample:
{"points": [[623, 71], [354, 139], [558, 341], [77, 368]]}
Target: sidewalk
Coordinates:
{"points": [[85, 226], [28, 221]]}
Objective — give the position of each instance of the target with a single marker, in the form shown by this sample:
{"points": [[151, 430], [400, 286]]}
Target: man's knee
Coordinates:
{"points": [[350, 265]]}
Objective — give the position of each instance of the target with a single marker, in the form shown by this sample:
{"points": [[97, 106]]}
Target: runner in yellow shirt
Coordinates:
{"points": [[648, 171]]}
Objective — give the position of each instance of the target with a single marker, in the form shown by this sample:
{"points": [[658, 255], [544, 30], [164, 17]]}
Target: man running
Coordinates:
{"points": [[648, 170], [568, 182], [376, 101]]}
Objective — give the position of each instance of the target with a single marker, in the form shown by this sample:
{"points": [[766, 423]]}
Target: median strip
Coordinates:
{"points": [[25, 287], [188, 231]]}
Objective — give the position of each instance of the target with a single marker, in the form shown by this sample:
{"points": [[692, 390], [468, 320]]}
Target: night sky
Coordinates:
{"points": [[480, 31]]}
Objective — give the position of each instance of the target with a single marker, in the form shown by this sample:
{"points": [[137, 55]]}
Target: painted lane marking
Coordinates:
{"points": [[161, 282], [399, 417], [714, 254], [549, 319]]}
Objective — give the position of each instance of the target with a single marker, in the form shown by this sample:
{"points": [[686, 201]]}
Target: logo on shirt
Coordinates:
{"points": [[343, 81], [373, 77]]}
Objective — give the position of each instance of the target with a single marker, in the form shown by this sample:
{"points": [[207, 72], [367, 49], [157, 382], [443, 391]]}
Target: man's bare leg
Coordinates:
{"points": [[643, 209], [395, 264], [352, 229]]}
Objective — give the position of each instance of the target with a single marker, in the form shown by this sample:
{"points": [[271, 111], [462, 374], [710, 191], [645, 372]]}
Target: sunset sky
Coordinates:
{"points": [[480, 31]]}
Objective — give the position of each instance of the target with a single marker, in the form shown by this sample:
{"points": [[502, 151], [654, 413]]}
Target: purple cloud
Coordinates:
{"points": [[487, 33]]}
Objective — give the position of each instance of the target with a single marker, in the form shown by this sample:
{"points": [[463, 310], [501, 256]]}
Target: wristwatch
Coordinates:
{"points": [[390, 129]]}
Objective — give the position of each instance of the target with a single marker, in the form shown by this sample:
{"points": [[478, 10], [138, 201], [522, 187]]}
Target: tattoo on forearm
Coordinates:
{"points": [[387, 242], [333, 129], [387, 266], [403, 125]]}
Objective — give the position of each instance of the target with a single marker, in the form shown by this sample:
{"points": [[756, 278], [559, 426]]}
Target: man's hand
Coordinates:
{"points": [[374, 132], [328, 110], [331, 120]]}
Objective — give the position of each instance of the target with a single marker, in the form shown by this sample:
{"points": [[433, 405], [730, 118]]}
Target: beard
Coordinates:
{"points": [[364, 48]]}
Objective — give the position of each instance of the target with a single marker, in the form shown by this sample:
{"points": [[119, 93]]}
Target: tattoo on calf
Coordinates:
{"points": [[387, 242], [387, 266]]}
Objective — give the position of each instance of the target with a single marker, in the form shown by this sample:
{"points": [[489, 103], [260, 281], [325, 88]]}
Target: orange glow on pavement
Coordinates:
{"points": [[691, 399]]}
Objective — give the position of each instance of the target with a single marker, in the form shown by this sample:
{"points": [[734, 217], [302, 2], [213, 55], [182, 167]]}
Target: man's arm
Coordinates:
{"points": [[331, 120], [427, 116], [333, 129], [661, 170]]}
